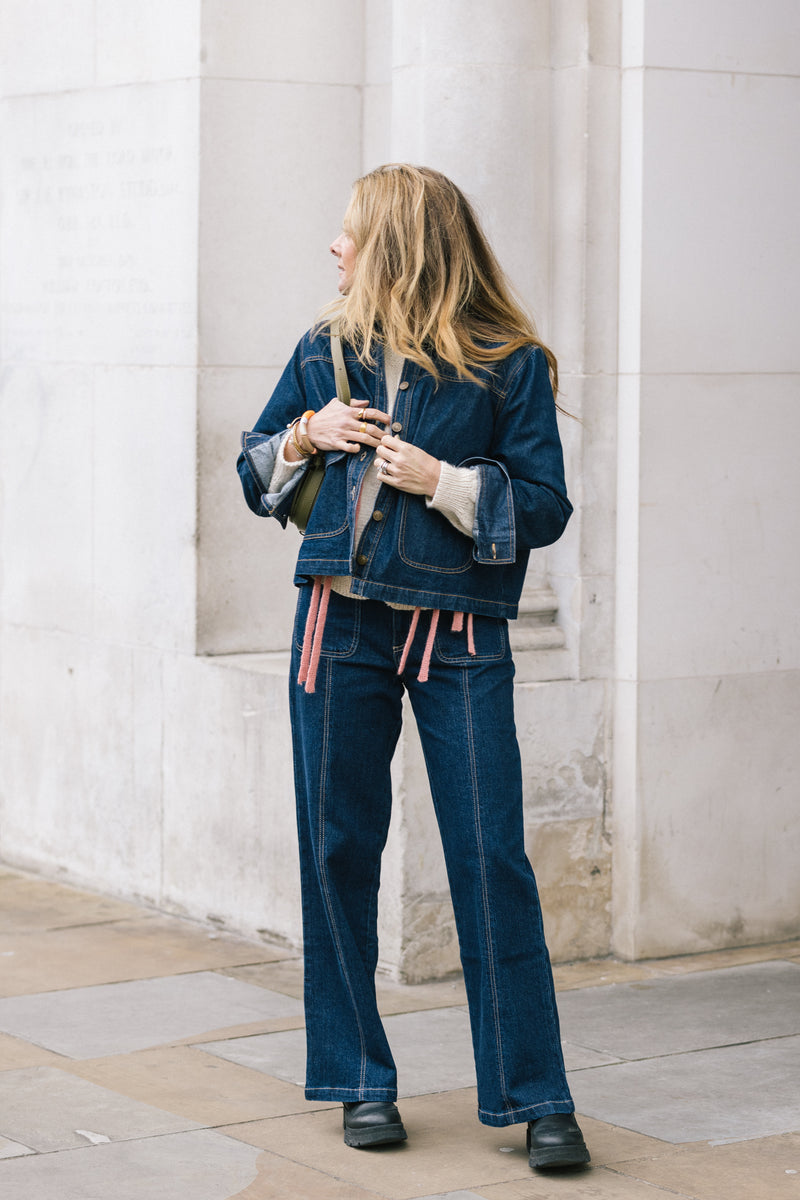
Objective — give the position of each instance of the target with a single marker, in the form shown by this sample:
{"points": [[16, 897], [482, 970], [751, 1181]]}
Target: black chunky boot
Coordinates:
{"points": [[556, 1141], [372, 1123]]}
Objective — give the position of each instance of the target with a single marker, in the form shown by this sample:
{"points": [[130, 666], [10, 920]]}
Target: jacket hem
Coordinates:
{"points": [[419, 597]]}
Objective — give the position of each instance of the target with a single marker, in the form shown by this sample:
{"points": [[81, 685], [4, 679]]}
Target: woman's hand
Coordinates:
{"points": [[406, 467], [340, 426]]}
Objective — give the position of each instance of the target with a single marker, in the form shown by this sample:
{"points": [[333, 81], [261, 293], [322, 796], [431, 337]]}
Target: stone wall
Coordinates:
{"points": [[172, 177], [707, 647]]}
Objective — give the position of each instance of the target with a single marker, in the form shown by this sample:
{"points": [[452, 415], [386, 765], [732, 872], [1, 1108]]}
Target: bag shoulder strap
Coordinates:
{"points": [[339, 369]]}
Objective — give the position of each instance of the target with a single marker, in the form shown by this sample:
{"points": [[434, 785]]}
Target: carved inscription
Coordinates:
{"points": [[100, 231]]}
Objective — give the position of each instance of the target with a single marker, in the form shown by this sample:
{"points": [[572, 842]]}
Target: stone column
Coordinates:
{"points": [[100, 117], [706, 833], [172, 177]]}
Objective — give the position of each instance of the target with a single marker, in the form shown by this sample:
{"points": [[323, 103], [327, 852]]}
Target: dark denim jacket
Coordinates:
{"points": [[409, 553]]}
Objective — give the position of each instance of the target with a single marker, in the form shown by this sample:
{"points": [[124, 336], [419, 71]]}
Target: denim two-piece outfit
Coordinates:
{"points": [[447, 646]]}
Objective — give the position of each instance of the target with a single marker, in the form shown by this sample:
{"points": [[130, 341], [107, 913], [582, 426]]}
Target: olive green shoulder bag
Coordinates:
{"points": [[307, 490]]}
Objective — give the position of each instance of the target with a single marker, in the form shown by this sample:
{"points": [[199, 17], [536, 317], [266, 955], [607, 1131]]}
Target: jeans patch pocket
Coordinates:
{"points": [[490, 635], [342, 624]]}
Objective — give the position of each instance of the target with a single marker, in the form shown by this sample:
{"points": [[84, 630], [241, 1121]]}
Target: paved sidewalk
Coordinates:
{"points": [[143, 1057]]}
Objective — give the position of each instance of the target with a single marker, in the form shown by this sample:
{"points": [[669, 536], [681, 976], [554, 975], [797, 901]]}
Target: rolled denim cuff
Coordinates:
{"points": [[262, 453], [494, 531]]}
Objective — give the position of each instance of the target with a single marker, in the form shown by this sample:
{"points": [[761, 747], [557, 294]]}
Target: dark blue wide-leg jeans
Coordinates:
{"points": [[344, 736]]}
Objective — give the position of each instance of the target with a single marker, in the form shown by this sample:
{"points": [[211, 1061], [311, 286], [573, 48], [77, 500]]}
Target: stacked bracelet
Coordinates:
{"points": [[304, 434], [305, 451]]}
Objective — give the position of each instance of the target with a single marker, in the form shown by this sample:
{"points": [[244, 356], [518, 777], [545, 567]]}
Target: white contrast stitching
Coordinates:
{"points": [[491, 970]]}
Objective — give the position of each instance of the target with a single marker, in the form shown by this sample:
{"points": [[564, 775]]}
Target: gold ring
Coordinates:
{"points": [[362, 427]]}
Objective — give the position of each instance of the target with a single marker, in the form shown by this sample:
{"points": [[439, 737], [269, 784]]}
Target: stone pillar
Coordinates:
{"points": [[172, 178], [471, 96], [280, 144], [706, 832], [100, 120]]}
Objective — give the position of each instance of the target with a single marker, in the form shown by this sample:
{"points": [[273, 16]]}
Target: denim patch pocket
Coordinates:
{"points": [[490, 635], [429, 542], [342, 624], [329, 515]]}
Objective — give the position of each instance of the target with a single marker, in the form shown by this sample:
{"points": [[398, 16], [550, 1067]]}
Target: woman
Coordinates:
{"points": [[442, 474]]}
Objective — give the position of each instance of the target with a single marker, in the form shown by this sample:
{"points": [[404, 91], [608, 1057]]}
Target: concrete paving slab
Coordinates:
{"points": [[598, 972], [14, 1052], [192, 1084], [447, 1151], [249, 1029], [202, 1165], [9, 1149], [569, 976], [601, 971], [51, 1110], [284, 976], [593, 1183], [578, 1058], [611, 1145], [123, 950], [29, 904], [692, 1012], [396, 998], [280, 1179], [121, 1017], [731, 1093], [713, 960], [768, 1168], [451, 1196]]}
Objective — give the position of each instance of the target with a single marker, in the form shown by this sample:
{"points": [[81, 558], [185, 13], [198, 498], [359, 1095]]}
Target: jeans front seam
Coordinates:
{"points": [[491, 969], [323, 873]]}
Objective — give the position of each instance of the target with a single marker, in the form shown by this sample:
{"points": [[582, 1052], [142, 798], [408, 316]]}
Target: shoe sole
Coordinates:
{"points": [[359, 1138], [559, 1156]]}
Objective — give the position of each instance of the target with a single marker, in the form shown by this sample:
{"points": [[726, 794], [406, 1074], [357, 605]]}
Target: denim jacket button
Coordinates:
{"points": [[362, 560], [404, 385], [377, 515], [396, 426]]}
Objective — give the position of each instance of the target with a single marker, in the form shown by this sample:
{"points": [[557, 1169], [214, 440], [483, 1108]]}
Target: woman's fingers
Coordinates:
{"points": [[406, 467], [366, 432], [340, 426], [362, 412]]}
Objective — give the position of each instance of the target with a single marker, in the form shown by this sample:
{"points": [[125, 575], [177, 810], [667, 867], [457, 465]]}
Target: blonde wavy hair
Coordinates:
{"points": [[426, 282]]}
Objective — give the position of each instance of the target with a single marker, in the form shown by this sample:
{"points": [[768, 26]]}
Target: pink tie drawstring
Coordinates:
{"points": [[426, 657], [315, 628], [470, 635], [456, 626], [308, 632], [412, 629], [312, 635]]}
